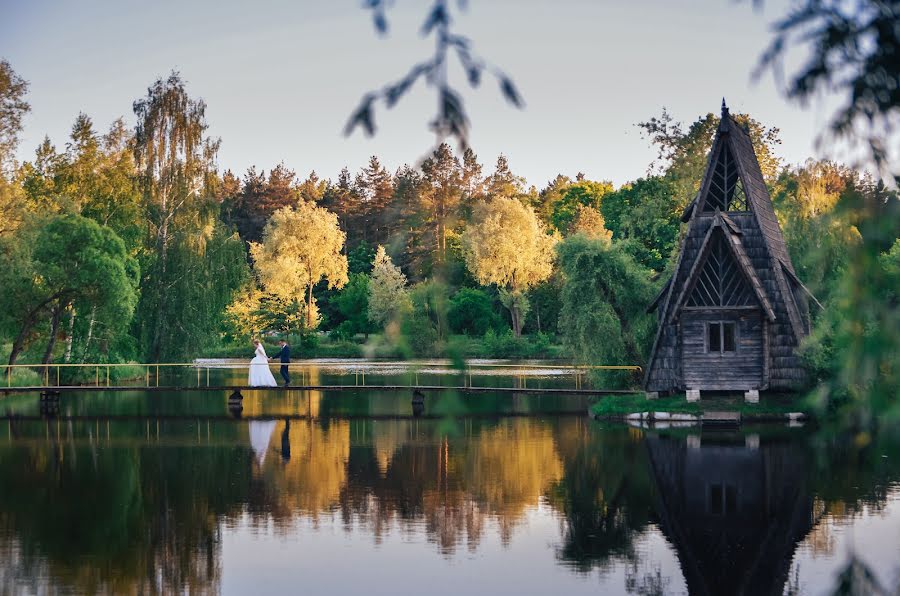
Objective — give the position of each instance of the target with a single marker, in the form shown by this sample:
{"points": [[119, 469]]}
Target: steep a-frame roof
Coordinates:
{"points": [[722, 224], [757, 193]]}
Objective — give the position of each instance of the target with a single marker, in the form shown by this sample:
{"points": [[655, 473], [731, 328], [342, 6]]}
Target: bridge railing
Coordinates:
{"points": [[51, 375]]}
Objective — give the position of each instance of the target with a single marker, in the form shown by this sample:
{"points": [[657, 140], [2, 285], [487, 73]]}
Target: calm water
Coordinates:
{"points": [[143, 493]]}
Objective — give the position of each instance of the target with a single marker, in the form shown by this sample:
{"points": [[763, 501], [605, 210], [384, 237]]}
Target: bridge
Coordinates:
{"points": [[206, 376]]}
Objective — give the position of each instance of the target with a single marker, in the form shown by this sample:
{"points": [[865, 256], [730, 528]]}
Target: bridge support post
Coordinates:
{"points": [[418, 403], [236, 403], [49, 403]]}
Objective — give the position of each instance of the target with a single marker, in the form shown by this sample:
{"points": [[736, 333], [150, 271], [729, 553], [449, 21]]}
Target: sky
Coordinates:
{"points": [[281, 77]]}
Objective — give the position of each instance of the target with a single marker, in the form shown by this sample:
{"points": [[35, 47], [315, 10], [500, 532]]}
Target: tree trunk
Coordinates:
{"points": [[19, 343], [54, 329], [309, 308], [90, 333], [70, 335], [30, 319], [517, 325], [163, 246]]}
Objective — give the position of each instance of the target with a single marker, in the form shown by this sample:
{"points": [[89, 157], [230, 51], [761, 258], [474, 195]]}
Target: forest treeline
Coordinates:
{"points": [[130, 244]]}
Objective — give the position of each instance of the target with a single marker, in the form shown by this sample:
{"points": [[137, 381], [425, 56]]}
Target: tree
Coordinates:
{"points": [[312, 189], [259, 198], [73, 259], [408, 237], [819, 238], [301, 246], [388, 293], [442, 193], [604, 294], [682, 153], [175, 163], [645, 215], [549, 196], [13, 108], [502, 182], [589, 221], [343, 199], [585, 193], [506, 244], [375, 187], [353, 304], [471, 312]]}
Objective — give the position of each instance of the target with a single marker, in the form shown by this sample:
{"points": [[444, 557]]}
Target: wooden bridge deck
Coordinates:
{"points": [[282, 389]]}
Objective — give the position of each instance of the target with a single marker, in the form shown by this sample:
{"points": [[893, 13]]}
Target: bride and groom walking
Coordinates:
{"points": [[260, 375]]}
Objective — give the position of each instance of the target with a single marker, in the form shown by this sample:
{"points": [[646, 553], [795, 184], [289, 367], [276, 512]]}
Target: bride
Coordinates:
{"points": [[260, 375]]}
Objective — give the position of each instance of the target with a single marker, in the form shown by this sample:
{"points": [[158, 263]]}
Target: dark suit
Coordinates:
{"points": [[285, 357]]}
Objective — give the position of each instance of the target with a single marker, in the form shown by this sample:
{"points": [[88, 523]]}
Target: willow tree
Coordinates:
{"points": [[301, 246], [175, 164], [507, 245]]}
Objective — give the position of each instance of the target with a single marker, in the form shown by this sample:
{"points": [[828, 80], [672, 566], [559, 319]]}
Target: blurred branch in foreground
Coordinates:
{"points": [[451, 119], [854, 48]]}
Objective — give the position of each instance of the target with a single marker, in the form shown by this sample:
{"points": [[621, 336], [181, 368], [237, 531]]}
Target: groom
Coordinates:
{"points": [[285, 357]]}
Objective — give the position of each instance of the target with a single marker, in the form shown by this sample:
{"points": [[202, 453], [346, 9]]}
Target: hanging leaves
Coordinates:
{"points": [[451, 119]]}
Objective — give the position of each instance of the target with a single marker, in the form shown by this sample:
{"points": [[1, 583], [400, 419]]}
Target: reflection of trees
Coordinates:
{"points": [[509, 468], [142, 514], [455, 486], [309, 481], [605, 494], [121, 519]]}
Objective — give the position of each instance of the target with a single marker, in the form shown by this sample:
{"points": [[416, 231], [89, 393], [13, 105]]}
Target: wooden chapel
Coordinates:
{"points": [[734, 311]]}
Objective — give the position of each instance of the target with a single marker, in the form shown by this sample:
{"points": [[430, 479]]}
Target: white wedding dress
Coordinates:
{"points": [[260, 375]]}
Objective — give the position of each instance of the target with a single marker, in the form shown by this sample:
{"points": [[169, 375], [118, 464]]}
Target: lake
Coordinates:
{"points": [[327, 492]]}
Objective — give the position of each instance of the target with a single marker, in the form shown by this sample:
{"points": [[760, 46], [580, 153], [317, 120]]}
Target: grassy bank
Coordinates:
{"points": [[769, 405]]}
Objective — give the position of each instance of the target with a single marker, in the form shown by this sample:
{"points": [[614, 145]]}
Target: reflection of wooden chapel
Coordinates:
{"points": [[734, 512], [733, 313]]}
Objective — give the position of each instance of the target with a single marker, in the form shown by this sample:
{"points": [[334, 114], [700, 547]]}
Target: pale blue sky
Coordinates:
{"points": [[280, 77]]}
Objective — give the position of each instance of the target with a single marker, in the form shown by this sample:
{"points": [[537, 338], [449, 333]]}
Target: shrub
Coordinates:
{"points": [[471, 312]]}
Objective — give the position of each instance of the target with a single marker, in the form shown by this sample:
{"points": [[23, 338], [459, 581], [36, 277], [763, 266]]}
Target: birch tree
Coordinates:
{"points": [[175, 161]]}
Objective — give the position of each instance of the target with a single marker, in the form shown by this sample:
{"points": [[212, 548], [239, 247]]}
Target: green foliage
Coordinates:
{"points": [[645, 216], [854, 349], [72, 263], [683, 152], [424, 326], [820, 239], [353, 304], [585, 194], [506, 344], [544, 300], [604, 294], [471, 312], [360, 258], [203, 281], [850, 48]]}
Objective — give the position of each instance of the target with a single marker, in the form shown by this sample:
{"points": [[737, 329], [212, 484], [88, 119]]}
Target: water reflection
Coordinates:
{"points": [[735, 509], [181, 505]]}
